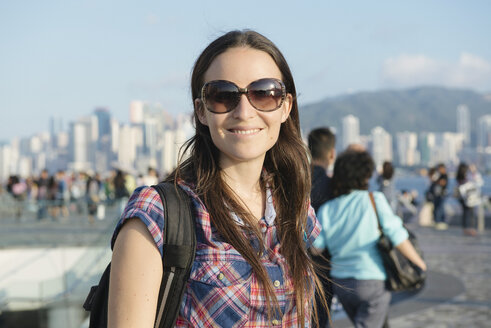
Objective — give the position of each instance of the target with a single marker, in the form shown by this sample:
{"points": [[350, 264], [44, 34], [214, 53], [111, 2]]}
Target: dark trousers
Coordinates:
{"points": [[468, 217], [324, 273], [439, 211], [42, 211], [322, 313], [366, 302]]}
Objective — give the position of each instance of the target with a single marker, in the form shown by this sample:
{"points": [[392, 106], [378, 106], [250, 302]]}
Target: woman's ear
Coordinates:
{"points": [[287, 107], [200, 111]]}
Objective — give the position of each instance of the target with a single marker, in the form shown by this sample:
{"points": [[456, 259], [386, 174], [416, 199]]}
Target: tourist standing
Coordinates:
{"points": [[469, 183], [386, 184], [438, 192], [350, 232], [321, 144], [248, 178]]}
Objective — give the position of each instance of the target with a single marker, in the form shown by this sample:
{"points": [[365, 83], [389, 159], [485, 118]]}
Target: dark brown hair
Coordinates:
{"points": [[321, 141], [352, 171], [461, 174], [387, 170], [288, 176]]}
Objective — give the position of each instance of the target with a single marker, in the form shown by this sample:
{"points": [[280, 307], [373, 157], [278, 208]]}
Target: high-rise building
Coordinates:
{"points": [[55, 127], [5, 161], [103, 121], [427, 141], [484, 133], [447, 148], [136, 111], [452, 144], [131, 137], [79, 146], [407, 149], [381, 146], [150, 136], [464, 123], [484, 141], [114, 136], [351, 130], [83, 143], [168, 158]]}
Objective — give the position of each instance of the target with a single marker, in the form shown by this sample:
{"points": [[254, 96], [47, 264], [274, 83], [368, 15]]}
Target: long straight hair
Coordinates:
{"points": [[288, 176]]}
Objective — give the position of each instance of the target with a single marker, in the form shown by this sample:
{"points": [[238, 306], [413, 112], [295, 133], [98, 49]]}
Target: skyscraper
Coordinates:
{"points": [[55, 127], [381, 146], [136, 111], [83, 137], [103, 121], [407, 144], [5, 161], [130, 140], [483, 133], [351, 130], [464, 123], [427, 142], [451, 146]]}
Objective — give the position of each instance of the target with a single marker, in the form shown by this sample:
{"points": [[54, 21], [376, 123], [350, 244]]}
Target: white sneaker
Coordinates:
{"points": [[441, 226]]}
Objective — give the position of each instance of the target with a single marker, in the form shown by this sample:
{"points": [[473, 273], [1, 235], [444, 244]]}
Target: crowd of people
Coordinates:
{"points": [[57, 195], [349, 261], [467, 191], [431, 211]]}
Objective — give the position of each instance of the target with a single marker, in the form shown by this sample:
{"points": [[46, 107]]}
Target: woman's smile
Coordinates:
{"points": [[244, 131]]}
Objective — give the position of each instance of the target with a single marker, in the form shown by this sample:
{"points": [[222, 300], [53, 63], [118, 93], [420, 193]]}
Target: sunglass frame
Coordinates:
{"points": [[244, 91]]}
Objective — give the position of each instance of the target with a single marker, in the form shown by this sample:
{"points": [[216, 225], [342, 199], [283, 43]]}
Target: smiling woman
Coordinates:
{"points": [[248, 177], [244, 132]]}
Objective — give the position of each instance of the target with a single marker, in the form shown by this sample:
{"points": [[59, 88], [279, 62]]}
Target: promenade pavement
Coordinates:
{"points": [[76, 230], [458, 290], [457, 293]]}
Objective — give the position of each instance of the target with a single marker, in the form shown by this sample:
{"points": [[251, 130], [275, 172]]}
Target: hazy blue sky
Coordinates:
{"points": [[64, 58]]}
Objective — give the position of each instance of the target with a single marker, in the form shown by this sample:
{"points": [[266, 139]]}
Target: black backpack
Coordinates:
{"points": [[179, 251]]}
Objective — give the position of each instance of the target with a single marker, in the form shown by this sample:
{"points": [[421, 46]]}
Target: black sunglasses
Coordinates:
{"points": [[265, 95]]}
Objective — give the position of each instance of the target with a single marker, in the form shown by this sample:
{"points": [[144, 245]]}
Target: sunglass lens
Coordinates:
{"points": [[221, 96], [266, 94]]}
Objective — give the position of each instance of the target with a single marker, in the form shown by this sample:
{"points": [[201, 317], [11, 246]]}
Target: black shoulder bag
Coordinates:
{"points": [[402, 274], [179, 251]]}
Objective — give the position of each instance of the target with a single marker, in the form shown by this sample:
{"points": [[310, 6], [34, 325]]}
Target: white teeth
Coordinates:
{"points": [[245, 131]]}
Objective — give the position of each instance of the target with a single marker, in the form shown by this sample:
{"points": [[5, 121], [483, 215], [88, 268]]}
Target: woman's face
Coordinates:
{"points": [[243, 134]]}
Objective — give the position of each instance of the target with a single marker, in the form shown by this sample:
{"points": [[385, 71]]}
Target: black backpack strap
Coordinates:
{"points": [[179, 251]]}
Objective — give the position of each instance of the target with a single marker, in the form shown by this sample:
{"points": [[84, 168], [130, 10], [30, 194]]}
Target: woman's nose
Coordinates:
{"points": [[244, 108]]}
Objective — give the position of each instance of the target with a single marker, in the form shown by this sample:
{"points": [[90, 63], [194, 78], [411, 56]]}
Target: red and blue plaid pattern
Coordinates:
{"points": [[222, 289]]}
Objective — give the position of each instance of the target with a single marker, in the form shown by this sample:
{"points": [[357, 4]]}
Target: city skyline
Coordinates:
{"points": [[63, 59], [152, 138]]}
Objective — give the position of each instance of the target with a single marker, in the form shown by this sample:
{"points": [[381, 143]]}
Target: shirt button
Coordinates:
{"points": [[221, 276], [277, 283], [275, 322]]}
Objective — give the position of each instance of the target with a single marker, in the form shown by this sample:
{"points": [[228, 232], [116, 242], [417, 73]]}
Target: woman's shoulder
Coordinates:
{"points": [[144, 198], [145, 205]]}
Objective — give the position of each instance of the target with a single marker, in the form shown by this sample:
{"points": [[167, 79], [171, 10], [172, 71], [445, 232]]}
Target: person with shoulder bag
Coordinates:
{"points": [[350, 232]]}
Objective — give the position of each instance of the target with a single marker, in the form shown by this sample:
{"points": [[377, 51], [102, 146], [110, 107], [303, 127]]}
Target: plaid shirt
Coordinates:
{"points": [[222, 290]]}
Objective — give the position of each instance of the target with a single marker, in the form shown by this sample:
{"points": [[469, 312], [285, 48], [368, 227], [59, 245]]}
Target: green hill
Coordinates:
{"points": [[431, 109]]}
